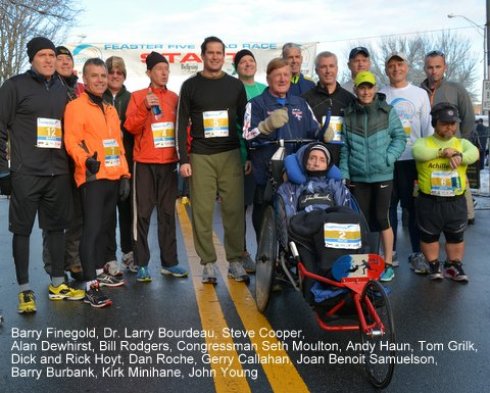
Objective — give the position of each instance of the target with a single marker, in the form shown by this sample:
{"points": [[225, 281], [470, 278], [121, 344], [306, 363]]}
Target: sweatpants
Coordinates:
{"points": [[213, 174], [155, 185]]}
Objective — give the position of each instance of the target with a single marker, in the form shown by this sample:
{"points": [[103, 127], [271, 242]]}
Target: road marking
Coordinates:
{"points": [[211, 314], [282, 377]]}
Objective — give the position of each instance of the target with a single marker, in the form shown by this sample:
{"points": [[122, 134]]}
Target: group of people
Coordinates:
{"points": [[80, 152]]}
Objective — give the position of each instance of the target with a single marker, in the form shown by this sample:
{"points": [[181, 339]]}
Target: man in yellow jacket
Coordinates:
{"points": [[441, 161], [93, 140]]}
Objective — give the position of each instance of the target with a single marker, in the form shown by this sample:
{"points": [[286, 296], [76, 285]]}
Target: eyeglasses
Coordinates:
{"points": [[116, 72], [433, 53]]}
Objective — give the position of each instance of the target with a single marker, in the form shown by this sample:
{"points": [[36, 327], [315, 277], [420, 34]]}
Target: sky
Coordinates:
{"points": [[334, 24]]}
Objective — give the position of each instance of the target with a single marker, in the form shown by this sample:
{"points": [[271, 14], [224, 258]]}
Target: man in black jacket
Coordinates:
{"points": [[328, 100], [31, 110]]}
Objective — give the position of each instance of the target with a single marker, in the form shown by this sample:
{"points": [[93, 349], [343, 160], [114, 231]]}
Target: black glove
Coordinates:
{"points": [[92, 164], [5, 185], [124, 188]]}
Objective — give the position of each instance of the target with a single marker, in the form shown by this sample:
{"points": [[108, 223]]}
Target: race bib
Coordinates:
{"points": [[49, 133], [444, 183], [215, 124], [112, 153], [163, 134], [335, 125], [345, 236]]}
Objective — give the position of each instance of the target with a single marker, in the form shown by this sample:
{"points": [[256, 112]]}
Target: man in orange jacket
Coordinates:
{"points": [[151, 118], [93, 140]]}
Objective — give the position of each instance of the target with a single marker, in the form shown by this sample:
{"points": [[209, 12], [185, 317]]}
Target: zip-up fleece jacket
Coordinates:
{"points": [[139, 120], [455, 94], [373, 140], [87, 126], [23, 99]]}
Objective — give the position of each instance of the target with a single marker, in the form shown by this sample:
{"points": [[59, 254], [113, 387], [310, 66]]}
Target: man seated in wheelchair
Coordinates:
{"points": [[317, 211]]}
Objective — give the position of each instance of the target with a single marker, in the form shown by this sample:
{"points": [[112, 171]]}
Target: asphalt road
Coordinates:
{"points": [[444, 322]]}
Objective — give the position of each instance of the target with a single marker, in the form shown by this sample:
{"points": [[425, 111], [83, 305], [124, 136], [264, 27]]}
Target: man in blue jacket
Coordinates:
{"points": [[275, 114], [299, 84]]}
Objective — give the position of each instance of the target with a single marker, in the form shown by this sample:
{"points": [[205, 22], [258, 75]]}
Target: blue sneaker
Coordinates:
{"points": [[143, 274], [388, 274], [174, 271]]}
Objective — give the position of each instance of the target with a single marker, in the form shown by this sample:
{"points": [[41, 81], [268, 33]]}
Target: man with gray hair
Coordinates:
{"points": [[299, 84], [328, 100]]}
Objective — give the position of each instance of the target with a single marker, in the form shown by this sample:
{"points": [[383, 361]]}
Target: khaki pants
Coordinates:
{"points": [[222, 174]]}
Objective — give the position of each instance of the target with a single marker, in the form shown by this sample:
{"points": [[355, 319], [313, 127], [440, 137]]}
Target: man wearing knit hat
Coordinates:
{"points": [[65, 73], [151, 119], [31, 109], [246, 67]]}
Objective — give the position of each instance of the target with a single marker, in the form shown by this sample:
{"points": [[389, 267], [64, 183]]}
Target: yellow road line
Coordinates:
{"points": [[282, 375], [211, 315]]}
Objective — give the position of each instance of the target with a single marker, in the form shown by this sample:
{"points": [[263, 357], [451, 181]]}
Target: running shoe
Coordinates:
{"points": [[388, 274], [174, 271], [96, 298], [455, 271], [143, 274], [237, 272], [248, 263], [27, 302], [418, 263], [209, 274], [63, 291], [435, 270], [106, 280], [128, 261], [112, 268]]}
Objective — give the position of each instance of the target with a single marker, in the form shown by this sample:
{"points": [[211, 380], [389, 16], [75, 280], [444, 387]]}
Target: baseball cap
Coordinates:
{"points": [[358, 49], [446, 112], [398, 55], [364, 77]]}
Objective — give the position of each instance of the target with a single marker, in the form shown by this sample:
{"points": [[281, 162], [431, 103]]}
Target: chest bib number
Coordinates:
{"points": [[336, 126], [49, 133], [345, 236], [444, 183], [163, 134], [215, 124], [112, 153]]}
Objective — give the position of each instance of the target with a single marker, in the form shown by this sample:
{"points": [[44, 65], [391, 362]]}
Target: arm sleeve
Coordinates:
{"points": [[426, 128], [398, 138], [183, 116], [7, 113], [136, 115], [470, 152], [73, 136], [466, 112], [421, 152], [251, 121]]}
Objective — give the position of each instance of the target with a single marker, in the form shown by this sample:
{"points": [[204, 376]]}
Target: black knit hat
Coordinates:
{"points": [[37, 44], [63, 50], [240, 54], [153, 59]]}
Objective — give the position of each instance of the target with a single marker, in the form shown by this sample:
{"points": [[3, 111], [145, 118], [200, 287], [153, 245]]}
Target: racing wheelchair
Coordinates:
{"points": [[324, 254]]}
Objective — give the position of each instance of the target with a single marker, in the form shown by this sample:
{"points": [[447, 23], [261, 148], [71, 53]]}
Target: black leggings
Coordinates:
{"points": [[374, 201], [99, 199]]}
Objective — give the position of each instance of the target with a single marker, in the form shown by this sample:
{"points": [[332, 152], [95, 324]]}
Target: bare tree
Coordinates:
{"points": [[21, 20], [462, 63]]}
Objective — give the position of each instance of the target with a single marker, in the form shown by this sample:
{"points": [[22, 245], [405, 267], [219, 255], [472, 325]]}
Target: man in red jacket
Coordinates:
{"points": [[151, 118]]}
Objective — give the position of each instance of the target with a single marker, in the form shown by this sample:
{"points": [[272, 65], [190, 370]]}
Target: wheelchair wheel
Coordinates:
{"points": [[266, 259], [381, 336]]}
